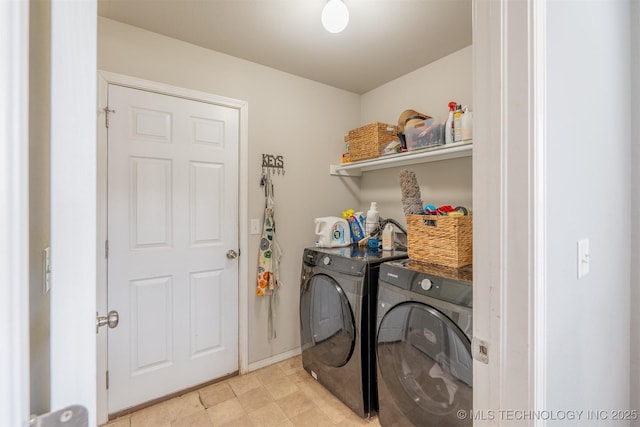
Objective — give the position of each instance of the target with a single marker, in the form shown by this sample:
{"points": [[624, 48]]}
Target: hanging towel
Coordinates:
{"points": [[269, 256]]}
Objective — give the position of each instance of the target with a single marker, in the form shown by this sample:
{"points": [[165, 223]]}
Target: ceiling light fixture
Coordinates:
{"points": [[335, 16]]}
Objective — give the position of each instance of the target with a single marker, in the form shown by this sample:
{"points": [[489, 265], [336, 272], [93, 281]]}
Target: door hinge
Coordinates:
{"points": [[106, 115], [107, 380], [71, 416], [106, 249]]}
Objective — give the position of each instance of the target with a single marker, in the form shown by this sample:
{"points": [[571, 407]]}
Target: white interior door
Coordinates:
{"points": [[172, 218]]}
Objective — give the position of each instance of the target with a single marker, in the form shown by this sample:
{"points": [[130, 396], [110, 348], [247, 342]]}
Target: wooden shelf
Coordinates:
{"points": [[434, 154]]}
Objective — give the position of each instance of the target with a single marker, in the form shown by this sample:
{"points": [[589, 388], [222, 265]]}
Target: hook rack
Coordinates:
{"points": [[275, 164]]}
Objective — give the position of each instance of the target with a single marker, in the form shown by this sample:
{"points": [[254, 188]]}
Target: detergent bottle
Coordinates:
{"points": [[457, 124], [332, 232]]}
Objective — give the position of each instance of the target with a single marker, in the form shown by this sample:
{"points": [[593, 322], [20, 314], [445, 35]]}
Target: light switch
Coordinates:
{"points": [[583, 257], [255, 226]]}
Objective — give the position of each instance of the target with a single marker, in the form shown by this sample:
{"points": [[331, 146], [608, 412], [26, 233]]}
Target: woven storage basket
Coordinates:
{"points": [[464, 273], [442, 240], [368, 141]]}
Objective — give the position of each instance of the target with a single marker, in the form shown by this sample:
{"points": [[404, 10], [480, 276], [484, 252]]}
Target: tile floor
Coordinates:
{"points": [[280, 395]]}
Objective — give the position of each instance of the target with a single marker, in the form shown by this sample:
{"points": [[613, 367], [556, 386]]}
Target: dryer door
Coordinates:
{"points": [[326, 321], [424, 365]]}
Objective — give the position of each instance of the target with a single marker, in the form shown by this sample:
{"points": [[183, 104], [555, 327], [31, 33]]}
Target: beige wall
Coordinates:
{"points": [[303, 121], [39, 224], [427, 90]]}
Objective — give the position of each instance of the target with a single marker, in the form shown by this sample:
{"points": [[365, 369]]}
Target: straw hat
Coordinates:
{"points": [[410, 116]]}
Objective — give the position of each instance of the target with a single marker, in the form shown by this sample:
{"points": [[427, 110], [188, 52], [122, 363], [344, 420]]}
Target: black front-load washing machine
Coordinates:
{"points": [[338, 288], [423, 345]]}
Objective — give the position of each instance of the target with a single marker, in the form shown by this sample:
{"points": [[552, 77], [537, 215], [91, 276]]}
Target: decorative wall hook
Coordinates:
{"points": [[275, 164]]}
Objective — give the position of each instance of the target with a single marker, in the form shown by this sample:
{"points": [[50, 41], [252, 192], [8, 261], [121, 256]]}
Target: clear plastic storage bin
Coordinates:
{"points": [[424, 134]]}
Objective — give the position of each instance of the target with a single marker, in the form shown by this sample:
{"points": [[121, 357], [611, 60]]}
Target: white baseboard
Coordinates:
{"points": [[274, 359]]}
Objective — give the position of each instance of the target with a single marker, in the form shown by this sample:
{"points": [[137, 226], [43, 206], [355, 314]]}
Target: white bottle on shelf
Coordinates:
{"points": [[373, 216], [448, 127], [467, 124], [457, 124]]}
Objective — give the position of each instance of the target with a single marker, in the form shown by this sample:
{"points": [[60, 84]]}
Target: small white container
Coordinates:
{"points": [[467, 124], [388, 237], [373, 216]]}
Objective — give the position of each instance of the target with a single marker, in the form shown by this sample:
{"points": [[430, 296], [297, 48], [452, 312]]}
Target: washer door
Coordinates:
{"points": [[326, 321], [424, 360]]}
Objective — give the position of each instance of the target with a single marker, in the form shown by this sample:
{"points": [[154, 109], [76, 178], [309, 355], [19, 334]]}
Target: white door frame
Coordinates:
{"points": [[14, 213], [73, 204], [509, 203], [104, 79]]}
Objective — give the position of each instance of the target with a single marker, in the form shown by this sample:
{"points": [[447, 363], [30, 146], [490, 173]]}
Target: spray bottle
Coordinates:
{"points": [[373, 216], [448, 127]]}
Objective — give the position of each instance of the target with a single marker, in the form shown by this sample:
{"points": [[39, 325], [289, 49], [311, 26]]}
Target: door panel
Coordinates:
{"points": [[206, 328], [172, 215], [151, 203], [207, 189], [151, 325], [150, 125]]}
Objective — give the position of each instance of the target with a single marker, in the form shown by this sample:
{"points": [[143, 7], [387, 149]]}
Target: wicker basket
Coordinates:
{"points": [[462, 274], [368, 141], [442, 240]]}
